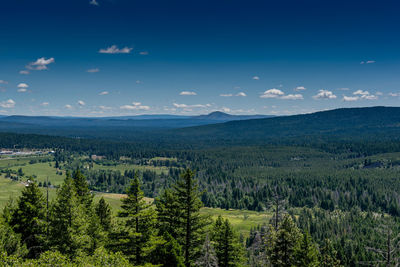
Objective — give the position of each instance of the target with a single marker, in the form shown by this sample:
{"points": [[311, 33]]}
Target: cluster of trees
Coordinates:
{"points": [[74, 230]]}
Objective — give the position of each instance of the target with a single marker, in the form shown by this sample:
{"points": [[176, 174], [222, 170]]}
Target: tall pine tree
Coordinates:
{"points": [[182, 216], [226, 242], [284, 243], [103, 212], [307, 253], [29, 219], [69, 221], [137, 238]]}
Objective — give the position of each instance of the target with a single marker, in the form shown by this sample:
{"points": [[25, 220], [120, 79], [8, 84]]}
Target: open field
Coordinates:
{"points": [[42, 171], [125, 167]]}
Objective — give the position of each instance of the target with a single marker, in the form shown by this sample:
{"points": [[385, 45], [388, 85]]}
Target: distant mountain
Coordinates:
{"points": [[109, 126], [218, 127], [350, 122], [221, 116]]}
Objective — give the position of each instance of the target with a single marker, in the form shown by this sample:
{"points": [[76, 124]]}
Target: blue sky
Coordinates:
{"points": [[126, 57]]}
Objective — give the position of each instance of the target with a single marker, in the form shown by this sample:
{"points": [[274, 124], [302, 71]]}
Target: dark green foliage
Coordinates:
{"points": [[69, 222], [169, 214], [10, 242], [284, 244], [28, 219], [307, 253], [103, 212], [137, 238], [168, 253], [82, 188], [328, 255], [226, 243], [191, 224]]}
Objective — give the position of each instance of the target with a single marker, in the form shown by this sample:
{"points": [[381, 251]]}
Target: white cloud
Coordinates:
{"points": [[292, 97], [226, 95], [143, 53], [104, 93], [40, 64], [139, 82], [324, 94], [256, 78], [272, 93], [369, 97], [81, 103], [191, 106], [361, 92], [300, 88], [3, 82], [135, 106], [187, 93], [93, 70], [350, 98], [93, 3], [7, 104], [241, 94], [22, 85], [25, 72], [367, 62], [378, 93], [45, 104], [394, 94], [68, 106], [365, 95], [359, 95], [105, 108], [225, 109], [115, 50], [276, 93], [344, 89]]}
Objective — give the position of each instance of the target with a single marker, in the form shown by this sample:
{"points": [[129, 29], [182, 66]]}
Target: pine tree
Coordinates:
{"points": [[284, 243], [168, 253], [69, 221], [103, 212], [137, 238], [28, 219], [169, 214], [227, 246], [182, 215], [82, 188], [85, 198], [10, 242], [208, 257], [328, 255], [307, 254], [189, 197]]}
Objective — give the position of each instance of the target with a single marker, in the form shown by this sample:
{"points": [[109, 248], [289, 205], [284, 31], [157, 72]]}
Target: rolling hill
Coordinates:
{"points": [[351, 122]]}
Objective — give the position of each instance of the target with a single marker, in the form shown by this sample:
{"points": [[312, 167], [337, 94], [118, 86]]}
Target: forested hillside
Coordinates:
{"points": [[329, 198]]}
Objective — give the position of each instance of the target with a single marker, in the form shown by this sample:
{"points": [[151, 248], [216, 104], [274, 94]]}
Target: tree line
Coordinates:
{"points": [[75, 230]]}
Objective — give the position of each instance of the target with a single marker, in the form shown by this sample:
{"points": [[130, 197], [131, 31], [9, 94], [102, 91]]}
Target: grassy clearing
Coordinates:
{"points": [[241, 220], [124, 167], [9, 189], [42, 172]]}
